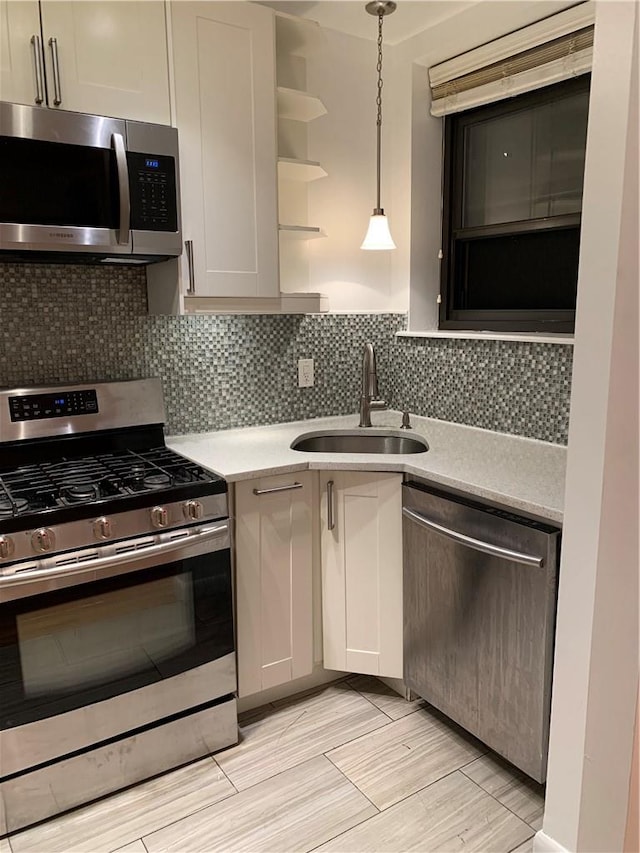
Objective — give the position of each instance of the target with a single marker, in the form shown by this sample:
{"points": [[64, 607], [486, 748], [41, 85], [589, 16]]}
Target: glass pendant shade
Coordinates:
{"points": [[378, 236]]}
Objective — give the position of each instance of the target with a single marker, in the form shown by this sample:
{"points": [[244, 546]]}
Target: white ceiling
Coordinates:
{"points": [[350, 16], [415, 16]]}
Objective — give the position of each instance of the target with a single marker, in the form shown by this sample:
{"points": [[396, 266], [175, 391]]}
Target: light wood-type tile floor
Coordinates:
{"points": [[348, 767]]}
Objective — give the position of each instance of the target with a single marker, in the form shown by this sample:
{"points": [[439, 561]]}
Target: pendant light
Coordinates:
{"points": [[378, 235]]}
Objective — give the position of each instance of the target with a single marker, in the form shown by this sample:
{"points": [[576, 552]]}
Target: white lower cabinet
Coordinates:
{"points": [[361, 557], [274, 578]]}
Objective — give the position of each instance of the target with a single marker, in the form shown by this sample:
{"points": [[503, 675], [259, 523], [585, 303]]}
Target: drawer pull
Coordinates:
{"points": [[287, 488]]}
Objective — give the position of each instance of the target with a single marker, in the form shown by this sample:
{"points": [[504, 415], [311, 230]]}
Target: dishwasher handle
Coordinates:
{"points": [[470, 542]]}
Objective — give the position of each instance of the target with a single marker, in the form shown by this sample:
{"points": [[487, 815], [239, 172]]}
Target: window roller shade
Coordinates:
{"points": [[547, 52]]}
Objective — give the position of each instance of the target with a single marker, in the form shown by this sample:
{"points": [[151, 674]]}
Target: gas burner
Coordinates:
{"points": [[156, 480], [9, 508], [79, 492]]}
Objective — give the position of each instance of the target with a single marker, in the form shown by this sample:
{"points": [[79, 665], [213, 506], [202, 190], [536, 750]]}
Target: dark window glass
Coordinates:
{"points": [[513, 198], [537, 271]]}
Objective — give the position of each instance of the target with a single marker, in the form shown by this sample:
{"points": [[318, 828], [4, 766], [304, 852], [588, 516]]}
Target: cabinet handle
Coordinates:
{"points": [[117, 143], [287, 488], [188, 248], [37, 61], [470, 542], [331, 521], [57, 88]]}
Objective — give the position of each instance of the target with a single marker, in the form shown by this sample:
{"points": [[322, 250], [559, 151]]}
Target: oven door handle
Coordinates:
{"points": [[194, 537]]}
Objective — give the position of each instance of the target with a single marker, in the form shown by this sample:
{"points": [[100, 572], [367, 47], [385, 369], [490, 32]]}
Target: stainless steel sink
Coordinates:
{"points": [[358, 441]]}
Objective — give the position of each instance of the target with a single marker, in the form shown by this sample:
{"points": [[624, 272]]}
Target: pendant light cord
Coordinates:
{"points": [[379, 106]]}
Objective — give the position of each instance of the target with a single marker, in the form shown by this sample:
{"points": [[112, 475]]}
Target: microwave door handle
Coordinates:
{"points": [[37, 61], [117, 143]]}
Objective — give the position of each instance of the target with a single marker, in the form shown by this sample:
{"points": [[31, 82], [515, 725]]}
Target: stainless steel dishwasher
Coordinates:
{"points": [[479, 617]]}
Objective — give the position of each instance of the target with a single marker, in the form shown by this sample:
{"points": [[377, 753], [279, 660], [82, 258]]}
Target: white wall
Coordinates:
{"points": [[343, 74], [596, 663]]}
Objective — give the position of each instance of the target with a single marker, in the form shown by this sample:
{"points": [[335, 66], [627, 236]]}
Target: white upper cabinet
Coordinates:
{"points": [[224, 61], [106, 58], [19, 40]]}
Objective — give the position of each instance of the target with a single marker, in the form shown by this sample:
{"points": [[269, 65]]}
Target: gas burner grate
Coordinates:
{"points": [[87, 479]]}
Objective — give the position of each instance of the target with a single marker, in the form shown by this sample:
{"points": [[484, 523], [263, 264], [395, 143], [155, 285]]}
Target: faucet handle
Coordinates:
{"points": [[406, 423]]}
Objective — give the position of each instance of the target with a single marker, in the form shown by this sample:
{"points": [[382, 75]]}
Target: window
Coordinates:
{"points": [[512, 207]]}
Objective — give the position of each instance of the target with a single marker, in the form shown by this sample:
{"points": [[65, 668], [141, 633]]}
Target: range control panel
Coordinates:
{"points": [[38, 407], [152, 186]]}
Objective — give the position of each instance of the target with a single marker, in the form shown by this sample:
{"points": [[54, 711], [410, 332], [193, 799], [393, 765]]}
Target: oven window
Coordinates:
{"points": [[51, 183], [81, 645]]}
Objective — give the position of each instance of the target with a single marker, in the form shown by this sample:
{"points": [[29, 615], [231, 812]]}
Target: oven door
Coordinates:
{"points": [[113, 643]]}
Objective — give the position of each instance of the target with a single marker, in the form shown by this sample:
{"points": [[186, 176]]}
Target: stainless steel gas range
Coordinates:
{"points": [[117, 655]]}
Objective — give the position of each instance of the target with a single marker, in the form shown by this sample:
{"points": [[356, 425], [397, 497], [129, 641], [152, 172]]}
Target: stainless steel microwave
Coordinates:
{"points": [[87, 188]]}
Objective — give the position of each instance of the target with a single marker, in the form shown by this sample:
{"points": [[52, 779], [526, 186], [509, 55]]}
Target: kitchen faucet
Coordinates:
{"points": [[368, 400]]}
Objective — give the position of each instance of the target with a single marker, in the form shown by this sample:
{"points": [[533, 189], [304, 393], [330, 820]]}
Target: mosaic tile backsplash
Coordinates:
{"points": [[71, 323]]}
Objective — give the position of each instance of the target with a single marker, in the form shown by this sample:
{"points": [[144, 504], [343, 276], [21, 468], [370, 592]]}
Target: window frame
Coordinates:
{"points": [[452, 231]]}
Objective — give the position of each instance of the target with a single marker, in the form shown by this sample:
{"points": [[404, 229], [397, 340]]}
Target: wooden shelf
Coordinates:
{"points": [[299, 106], [299, 36], [299, 170], [301, 232]]}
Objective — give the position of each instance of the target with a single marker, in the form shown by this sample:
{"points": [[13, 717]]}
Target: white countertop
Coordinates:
{"points": [[520, 473]]}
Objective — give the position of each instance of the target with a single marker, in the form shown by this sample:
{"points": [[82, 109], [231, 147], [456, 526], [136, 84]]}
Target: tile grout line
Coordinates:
{"points": [[504, 806], [190, 814], [495, 798], [388, 809], [420, 790], [183, 817], [402, 799], [360, 823], [213, 758], [351, 782], [318, 754], [371, 702]]}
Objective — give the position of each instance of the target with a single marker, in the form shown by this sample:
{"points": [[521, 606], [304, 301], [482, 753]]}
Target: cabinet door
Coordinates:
{"points": [[274, 547], [112, 57], [224, 59], [19, 22], [362, 572]]}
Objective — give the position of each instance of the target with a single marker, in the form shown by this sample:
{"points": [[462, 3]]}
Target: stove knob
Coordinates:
{"points": [[43, 539], [6, 547], [193, 510], [159, 516], [102, 528]]}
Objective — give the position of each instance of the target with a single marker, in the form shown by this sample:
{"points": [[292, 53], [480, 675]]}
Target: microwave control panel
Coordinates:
{"points": [[152, 186]]}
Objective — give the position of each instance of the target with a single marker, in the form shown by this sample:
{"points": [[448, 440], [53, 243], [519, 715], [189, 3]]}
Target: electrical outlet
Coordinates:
{"points": [[305, 373]]}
